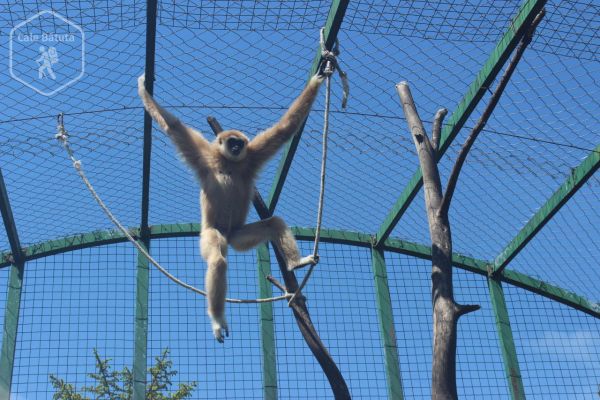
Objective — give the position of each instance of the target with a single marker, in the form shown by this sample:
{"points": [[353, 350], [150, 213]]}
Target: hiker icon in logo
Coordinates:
{"points": [[46, 61]]}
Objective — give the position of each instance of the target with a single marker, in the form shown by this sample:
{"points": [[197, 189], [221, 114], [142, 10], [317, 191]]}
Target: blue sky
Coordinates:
{"points": [[244, 65]]}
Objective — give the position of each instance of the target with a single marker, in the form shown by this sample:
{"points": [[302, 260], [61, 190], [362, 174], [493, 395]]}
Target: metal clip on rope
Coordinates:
{"points": [[329, 64]]}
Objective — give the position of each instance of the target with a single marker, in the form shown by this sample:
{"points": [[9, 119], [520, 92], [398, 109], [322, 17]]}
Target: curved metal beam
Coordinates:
{"points": [[481, 267]]}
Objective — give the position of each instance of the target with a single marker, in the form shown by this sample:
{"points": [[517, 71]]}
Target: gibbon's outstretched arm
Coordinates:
{"points": [[191, 144], [266, 144]]}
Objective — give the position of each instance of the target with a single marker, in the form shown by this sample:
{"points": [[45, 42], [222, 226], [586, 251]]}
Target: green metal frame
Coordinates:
{"points": [[99, 238], [452, 127], [10, 325], [386, 326], [267, 330], [140, 359], [552, 292], [478, 266], [8, 219], [10, 328], [332, 27], [507, 343], [140, 354], [576, 180]]}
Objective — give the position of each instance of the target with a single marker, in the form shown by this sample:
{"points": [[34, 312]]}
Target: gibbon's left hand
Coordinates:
{"points": [[318, 77]]}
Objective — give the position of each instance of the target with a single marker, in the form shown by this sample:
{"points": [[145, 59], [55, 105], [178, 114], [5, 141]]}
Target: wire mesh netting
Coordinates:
{"points": [[558, 348], [350, 317], [72, 304], [177, 321], [244, 62], [479, 364]]}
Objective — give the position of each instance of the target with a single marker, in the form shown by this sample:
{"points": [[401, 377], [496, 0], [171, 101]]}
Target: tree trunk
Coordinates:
{"points": [[443, 371], [445, 310]]}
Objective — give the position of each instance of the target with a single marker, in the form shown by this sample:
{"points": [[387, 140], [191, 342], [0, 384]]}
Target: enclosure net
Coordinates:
{"points": [[244, 62]]}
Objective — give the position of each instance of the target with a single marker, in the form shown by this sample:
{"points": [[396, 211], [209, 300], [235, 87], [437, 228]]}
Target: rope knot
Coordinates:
{"points": [[328, 57], [61, 133], [329, 64]]}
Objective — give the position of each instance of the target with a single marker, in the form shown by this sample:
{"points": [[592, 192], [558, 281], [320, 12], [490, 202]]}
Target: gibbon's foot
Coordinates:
{"points": [[303, 262], [219, 325]]}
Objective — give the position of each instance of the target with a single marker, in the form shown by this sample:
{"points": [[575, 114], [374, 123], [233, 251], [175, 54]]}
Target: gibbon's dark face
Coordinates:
{"points": [[235, 145], [232, 145]]}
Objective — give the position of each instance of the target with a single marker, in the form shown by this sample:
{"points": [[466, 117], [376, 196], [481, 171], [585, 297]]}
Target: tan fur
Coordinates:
{"points": [[227, 188]]}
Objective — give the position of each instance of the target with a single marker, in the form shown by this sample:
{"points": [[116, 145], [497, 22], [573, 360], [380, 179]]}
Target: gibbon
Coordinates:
{"points": [[227, 168]]}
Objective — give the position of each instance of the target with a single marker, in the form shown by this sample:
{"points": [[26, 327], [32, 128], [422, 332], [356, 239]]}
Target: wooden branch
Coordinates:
{"points": [[276, 283], [436, 130], [464, 151], [431, 177], [445, 310], [466, 308], [307, 329]]}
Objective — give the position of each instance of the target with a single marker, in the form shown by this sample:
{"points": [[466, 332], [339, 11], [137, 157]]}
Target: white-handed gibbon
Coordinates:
{"points": [[227, 168]]}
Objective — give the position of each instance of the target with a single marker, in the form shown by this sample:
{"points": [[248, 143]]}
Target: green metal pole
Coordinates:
{"points": [[332, 27], [452, 127], [140, 358], [575, 181], [9, 332], [13, 301], [267, 330], [507, 344], [386, 326]]}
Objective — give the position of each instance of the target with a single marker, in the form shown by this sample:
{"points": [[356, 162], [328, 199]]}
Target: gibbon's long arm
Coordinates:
{"points": [[190, 143], [266, 144]]}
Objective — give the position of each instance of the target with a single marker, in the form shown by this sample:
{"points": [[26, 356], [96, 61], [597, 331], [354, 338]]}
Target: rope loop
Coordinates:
{"points": [[328, 57], [330, 64]]}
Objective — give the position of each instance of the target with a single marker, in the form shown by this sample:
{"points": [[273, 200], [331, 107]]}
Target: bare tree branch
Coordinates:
{"points": [[446, 311], [276, 283], [466, 308], [462, 155], [436, 130], [427, 159]]}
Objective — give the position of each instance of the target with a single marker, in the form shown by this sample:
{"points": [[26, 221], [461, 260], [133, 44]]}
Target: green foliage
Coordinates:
{"points": [[118, 385]]}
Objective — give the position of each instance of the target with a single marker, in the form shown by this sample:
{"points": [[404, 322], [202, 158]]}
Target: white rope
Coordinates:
{"points": [[329, 69], [62, 136]]}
